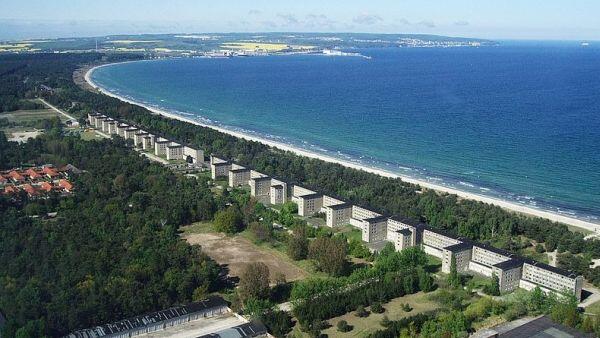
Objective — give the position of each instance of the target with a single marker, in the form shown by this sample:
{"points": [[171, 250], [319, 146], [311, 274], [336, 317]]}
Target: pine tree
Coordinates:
{"points": [[453, 277]]}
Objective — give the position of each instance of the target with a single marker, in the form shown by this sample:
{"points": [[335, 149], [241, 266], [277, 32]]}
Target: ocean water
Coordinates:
{"points": [[520, 121]]}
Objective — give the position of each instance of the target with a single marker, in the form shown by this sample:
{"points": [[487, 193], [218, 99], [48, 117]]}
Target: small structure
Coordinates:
{"points": [[541, 327]]}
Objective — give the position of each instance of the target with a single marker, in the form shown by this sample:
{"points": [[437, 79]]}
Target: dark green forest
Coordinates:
{"points": [[112, 252]]}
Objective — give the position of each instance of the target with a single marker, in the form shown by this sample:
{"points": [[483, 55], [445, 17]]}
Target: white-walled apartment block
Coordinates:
{"points": [[338, 214], [435, 240], [396, 224], [99, 120], [461, 253], [550, 279], [238, 176], [160, 147], [509, 274], [219, 167], [174, 152], [260, 186], [105, 123], [279, 191], [484, 257], [130, 132], [112, 127], [121, 127], [197, 155], [148, 144], [374, 229], [92, 118], [402, 238], [138, 138], [308, 201]]}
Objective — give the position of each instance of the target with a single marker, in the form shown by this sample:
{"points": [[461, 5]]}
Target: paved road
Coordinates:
{"points": [[56, 109]]}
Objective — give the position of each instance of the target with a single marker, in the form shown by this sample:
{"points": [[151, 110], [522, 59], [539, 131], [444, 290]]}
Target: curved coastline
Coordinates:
{"points": [[515, 207]]}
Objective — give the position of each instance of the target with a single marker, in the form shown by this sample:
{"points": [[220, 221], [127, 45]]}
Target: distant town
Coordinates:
{"points": [[231, 45]]}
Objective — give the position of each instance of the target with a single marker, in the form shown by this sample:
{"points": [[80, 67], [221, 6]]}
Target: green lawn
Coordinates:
{"points": [[393, 310], [90, 135]]}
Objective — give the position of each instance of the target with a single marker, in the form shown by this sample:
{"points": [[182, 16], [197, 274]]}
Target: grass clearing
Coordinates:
{"points": [[89, 135], [393, 310], [20, 116]]}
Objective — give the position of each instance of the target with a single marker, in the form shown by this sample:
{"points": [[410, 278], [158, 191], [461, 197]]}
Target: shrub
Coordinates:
{"points": [[343, 326], [361, 312], [377, 308]]}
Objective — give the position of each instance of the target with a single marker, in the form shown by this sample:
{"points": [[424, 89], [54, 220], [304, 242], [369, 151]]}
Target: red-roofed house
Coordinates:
{"points": [[15, 176], [11, 189], [3, 180], [66, 185], [29, 189], [46, 186], [50, 172], [34, 175]]}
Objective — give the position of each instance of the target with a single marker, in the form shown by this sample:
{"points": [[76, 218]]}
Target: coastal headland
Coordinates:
{"points": [[88, 83]]}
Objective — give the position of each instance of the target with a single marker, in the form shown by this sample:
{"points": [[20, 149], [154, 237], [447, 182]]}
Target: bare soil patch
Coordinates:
{"points": [[235, 252]]}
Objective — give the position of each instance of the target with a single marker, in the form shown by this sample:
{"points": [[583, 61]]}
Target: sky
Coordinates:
{"points": [[494, 19]]}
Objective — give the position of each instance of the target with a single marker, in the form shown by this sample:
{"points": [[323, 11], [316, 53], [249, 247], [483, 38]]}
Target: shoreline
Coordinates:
{"points": [[512, 206]]}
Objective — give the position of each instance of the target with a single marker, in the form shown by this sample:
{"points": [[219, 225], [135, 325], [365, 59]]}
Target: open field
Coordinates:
{"points": [[20, 116], [89, 135], [236, 251], [393, 310]]}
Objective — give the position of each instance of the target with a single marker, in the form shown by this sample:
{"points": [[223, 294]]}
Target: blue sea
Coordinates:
{"points": [[519, 121]]}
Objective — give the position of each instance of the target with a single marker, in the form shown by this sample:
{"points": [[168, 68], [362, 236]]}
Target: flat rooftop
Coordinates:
{"points": [[198, 328]]}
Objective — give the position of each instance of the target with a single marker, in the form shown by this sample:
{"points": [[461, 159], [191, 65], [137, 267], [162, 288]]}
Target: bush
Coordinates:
{"points": [[385, 321], [343, 326], [361, 312], [279, 323], [406, 307], [377, 308]]}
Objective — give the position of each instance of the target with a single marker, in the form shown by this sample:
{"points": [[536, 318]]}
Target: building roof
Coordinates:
{"points": [[252, 329], [408, 221], [277, 186], [150, 318], [405, 232], [65, 184], [376, 219], [50, 172], [494, 249], [174, 146], [240, 170], [509, 264], [32, 173], [340, 206], [16, 176], [261, 178], [463, 246], [46, 186], [311, 196], [541, 327]]}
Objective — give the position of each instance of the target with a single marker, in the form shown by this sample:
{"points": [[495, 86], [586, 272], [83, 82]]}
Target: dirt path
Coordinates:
{"points": [[236, 252]]}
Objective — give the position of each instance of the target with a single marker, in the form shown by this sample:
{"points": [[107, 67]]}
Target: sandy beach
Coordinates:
{"points": [[594, 227]]}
